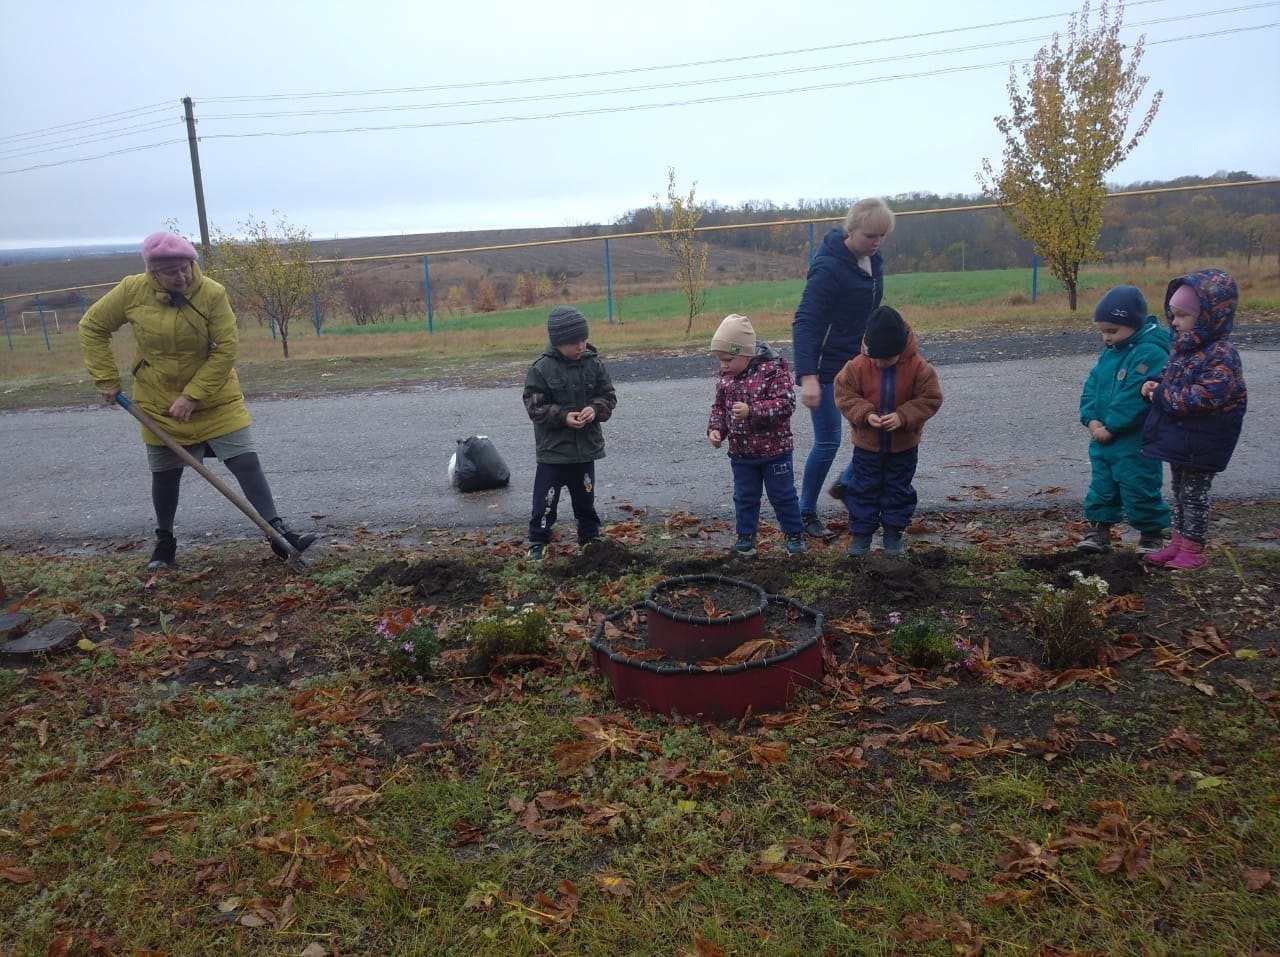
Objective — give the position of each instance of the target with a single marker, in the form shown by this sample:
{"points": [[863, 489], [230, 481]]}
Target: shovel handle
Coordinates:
{"points": [[154, 427]]}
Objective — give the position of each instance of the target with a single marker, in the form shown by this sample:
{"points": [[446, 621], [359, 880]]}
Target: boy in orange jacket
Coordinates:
{"points": [[887, 393]]}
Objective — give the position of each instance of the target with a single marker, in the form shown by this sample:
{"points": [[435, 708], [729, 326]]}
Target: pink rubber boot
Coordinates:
{"points": [[1190, 558], [1168, 553]]}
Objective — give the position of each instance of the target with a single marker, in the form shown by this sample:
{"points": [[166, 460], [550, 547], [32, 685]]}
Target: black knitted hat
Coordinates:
{"points": [[886, 333], [1123, 306]]}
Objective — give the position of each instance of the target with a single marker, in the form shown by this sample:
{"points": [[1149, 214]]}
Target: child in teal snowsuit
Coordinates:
{"points": [[1122, 481]]}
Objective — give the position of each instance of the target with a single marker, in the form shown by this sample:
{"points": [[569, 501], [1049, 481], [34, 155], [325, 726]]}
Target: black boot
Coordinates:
{"points": [[300, 542], [165, 555], [1097, 540]]}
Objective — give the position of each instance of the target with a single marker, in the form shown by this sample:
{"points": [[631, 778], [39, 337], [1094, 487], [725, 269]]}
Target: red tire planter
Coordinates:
{"points": [[693, 638], [715, 694]]}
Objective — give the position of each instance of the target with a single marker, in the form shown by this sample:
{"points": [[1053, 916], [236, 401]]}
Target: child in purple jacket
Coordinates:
{"points": [[1197, 407], [755, 397]]}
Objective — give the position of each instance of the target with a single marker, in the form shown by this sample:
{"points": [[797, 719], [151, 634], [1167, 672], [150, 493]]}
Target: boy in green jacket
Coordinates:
{"points": [[567, 393], [1123, 482]]}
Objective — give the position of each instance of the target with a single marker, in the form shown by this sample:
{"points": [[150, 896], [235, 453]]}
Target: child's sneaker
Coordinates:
{"points": [[744, 546], [814, 527], [1150, 543], [893, 542], [1097, 540], [796, 545], [536, 552], [860, 545]]}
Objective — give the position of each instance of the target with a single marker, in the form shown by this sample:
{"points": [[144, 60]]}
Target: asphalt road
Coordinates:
{"points": [[1007, 435]]}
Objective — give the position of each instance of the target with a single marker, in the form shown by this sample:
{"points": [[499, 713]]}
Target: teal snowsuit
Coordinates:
{"points": [[1122, 481]]}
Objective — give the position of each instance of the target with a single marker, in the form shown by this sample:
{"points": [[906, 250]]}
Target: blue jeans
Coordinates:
{"points": [[778, 478], [828, 428]]}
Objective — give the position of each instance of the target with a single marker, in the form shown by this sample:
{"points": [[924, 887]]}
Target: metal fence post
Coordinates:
{"points": [[1035, 269], [426, 288], [80, 296], [608, 280], [44, 327], [809, 263], [4, 317]]}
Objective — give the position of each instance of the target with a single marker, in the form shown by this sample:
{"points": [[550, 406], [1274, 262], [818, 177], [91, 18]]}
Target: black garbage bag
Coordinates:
{"points": [[477, 465]]}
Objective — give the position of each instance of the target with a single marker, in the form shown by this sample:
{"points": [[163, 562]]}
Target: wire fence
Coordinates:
{"points": [[616, 260]]}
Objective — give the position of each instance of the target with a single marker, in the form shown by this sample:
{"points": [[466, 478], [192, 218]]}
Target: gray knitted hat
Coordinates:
{"points": [[566, 324]]}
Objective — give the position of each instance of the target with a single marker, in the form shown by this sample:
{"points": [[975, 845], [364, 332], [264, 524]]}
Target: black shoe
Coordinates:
{"points": [[837, 490], [1149, 542], [536, 553], [814, 527], [859, 545], [1098, 539], [893, 542], [300, 543], [165, 555]]}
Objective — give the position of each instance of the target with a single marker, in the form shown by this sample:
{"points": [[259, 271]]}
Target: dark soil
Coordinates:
{"points": [[710, 598], [435, 580], [1175, 642]]}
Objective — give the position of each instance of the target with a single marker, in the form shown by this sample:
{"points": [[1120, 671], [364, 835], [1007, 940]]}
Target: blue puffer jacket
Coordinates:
{"points": [[1198, 406], [838, 297]]}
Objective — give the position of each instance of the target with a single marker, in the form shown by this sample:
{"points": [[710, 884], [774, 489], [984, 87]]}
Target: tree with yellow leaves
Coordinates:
{"points": [[269, 272], [1067, 130], [677, 225]]}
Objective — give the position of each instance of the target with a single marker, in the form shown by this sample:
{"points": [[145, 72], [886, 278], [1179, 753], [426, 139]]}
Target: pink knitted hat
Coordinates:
{"points": [[1186, 299], [164, 250]]}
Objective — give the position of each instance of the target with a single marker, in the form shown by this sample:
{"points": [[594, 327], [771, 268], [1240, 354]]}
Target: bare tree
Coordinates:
{"points": [[677, 225]]}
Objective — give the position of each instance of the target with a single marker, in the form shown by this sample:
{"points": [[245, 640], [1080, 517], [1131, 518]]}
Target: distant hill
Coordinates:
{"points": [[38, 254]]}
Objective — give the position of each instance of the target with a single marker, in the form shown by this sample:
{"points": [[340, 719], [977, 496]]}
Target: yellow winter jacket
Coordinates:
{"points": [[188, 348]]}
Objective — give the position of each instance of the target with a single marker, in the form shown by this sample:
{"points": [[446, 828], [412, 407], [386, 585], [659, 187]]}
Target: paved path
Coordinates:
{"points": [[1006, 436]]}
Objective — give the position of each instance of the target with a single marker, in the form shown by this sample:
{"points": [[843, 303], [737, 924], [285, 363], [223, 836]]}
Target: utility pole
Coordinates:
{"points": [[195, 175]]}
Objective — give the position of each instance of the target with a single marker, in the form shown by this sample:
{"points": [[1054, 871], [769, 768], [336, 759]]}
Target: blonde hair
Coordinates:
{"points": [[871, 214]]}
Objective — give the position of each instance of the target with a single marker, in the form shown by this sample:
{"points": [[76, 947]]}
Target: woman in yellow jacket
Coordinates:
{"points": [[184, 378]]}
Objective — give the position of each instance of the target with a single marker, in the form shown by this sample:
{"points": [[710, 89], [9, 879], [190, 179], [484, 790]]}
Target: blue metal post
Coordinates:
{"points": [[810, 262], [4, 317], [608, 280], [426, 286], [43, 325], [80, 296], [1035, 268]]}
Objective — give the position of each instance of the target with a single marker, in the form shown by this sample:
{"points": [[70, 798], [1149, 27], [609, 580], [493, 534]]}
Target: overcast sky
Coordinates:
{"points": [[387, 117]]}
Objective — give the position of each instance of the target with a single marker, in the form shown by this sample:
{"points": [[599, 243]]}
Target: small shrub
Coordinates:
{"points": [[928, 641], [410, 639], [1067, 622], [521, 632]]}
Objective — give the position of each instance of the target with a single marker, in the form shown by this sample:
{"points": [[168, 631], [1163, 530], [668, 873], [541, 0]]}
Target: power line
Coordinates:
{"points": [[673, 84], [696, 101], [710, 62], [115, 134], [95, 121]]}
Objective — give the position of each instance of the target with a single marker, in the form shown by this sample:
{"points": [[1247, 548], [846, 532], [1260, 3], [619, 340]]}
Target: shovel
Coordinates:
{"points": [[295, 557]]}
